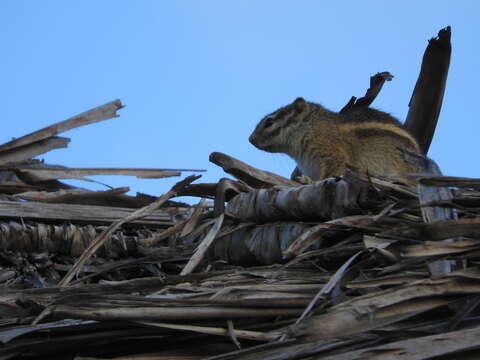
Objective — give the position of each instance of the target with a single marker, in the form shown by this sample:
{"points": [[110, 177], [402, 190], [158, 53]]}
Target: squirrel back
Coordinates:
{"points": [[324, 143]]}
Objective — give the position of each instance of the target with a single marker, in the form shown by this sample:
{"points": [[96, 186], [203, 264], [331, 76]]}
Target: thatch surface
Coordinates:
{"points": [[350, 267]]}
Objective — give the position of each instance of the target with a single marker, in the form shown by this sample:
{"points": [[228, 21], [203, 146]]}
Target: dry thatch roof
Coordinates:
{"points": [[354, 267]]}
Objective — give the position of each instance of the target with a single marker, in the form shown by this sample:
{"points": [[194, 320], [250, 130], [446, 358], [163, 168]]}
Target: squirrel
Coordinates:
{"points": [[323, 142]]}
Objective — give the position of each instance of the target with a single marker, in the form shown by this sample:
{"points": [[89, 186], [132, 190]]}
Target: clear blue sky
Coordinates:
{"points": [[196, 76]]}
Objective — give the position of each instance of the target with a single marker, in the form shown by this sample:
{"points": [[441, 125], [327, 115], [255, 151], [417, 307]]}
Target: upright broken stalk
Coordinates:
{"points": [[426, 101]]}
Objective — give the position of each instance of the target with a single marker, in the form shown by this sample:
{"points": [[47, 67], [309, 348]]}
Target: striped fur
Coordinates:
{"points": [[323, 142]]}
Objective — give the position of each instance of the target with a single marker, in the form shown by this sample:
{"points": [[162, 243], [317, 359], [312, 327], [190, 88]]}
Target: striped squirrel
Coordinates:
{"points": [[323, 142]]}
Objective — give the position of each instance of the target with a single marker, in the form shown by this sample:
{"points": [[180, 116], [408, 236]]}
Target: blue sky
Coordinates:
{"points": [[197, 76]]}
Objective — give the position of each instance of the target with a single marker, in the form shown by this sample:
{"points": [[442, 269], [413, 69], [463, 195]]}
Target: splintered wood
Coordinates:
{"points": [[58, 214]]}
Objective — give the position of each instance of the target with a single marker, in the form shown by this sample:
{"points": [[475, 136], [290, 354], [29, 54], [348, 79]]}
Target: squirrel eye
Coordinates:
{"points": [[268, 123]]}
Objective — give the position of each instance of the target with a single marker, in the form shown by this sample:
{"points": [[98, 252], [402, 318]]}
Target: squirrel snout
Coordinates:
{"points": [[259, 142], [252, 139]]}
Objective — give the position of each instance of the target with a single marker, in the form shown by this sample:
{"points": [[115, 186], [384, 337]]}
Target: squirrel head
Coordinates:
{"points": [[277, 130]]}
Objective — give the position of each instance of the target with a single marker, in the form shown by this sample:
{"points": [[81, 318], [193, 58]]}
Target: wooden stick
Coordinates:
{"points": [[104, 112], [77, 213], [198, 256], [427, 97], [376, 84], [33, 149], [242, 334], [52, 173], [252, 176]]}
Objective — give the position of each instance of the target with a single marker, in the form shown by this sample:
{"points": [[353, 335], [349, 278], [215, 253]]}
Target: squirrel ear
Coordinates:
{"points": [[299, 104]]}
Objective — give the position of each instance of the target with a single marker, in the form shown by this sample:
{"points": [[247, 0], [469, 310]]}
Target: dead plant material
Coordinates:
{"points": [[67, 239], [104, 112], [249, 244], [16, 210], [256, 178], [202, 249], [28, 151], [45, 174], [323, 200], [138, 214], [427, 97]]}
